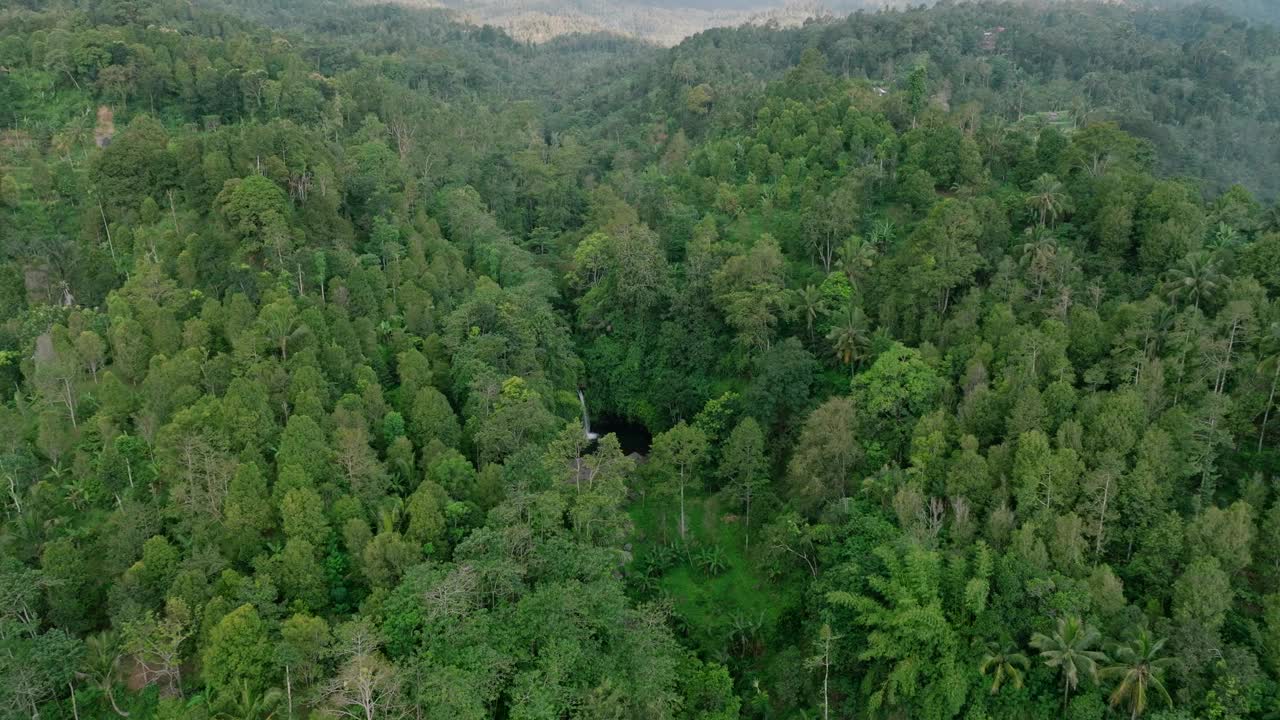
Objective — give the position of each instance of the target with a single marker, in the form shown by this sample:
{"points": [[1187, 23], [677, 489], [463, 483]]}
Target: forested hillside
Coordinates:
{"points": [[1201, 86], [364, 364], [1257, 10]]}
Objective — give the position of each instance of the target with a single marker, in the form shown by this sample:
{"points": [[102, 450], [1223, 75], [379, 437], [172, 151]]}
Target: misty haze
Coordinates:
{"points": [[667, 22]]}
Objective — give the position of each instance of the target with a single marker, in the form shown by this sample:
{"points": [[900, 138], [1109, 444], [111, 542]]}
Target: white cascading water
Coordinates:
{"points": [[586, 419]]}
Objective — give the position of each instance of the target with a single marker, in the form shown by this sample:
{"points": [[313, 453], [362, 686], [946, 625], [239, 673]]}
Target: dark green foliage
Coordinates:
{"points": [[955, 330]]}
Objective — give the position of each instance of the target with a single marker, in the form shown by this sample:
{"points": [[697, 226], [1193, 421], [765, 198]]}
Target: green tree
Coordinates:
{"points": [[943, 252], [103, 665], [248, 515], [36, 668], [238, 653], [750, 291], [69, 593], [1048, 199], [1202, 595], [707, 692], [246, 704], [1194, 280], [302, 515], [155, 643], [1224, 534], [304, 643], [257, 210], [894, 393], [917, 91], [675, 456], [744, 468], [911, 646], [825, 457], [809, 302], [426, 508], [1039, 253], [135, 165], [599, 490], [858, 257], [1068, 649], [278, 322], [850, 337], [303, 447], [518, 419], [300, 576], [432, 418], [1005, 664], [1137, 670], [781, 384]]}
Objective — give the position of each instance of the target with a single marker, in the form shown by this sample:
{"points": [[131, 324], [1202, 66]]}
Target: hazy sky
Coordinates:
{"points": [[708, 4], [758, 4], [749, 4]]}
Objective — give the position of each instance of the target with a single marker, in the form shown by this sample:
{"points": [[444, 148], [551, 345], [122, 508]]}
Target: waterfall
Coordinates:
{"points": [[586, 419]]}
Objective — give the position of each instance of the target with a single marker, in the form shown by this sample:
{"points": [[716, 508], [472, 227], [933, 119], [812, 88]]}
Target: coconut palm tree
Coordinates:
{"points": [[809, 301], [248, 704], [1004, 664], [1138, 669], [1195, 279], [857, 256], [102, 666], [849, 336], [1048, 198], [1068, 650], [1038, 253]]}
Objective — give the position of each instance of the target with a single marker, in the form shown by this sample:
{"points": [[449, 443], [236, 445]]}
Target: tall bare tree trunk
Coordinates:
{"points": [[1271, 400], [107, 227]]}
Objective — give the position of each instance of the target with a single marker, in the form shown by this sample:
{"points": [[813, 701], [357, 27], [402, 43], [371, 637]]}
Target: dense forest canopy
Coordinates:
{"points": [[362, 363]]}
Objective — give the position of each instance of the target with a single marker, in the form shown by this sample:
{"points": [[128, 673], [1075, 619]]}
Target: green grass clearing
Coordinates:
{"points": [[719, 610]]}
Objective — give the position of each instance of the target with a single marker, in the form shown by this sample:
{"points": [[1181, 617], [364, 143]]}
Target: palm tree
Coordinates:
{"points": [[1194, 279], [1004, 664], [744, 631], [102, 665], [857, 256], [247, 704], [1067, 649], [1138, 668], [810, 302], [1048, 198], [1038, 254], [849, 336]]}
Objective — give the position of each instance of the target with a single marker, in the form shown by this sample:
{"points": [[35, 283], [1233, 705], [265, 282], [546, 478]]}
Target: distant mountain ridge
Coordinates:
{"points": [[661, 23], [668, 22]]}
